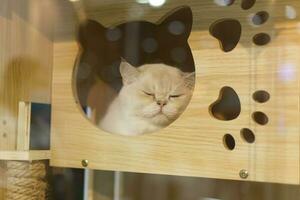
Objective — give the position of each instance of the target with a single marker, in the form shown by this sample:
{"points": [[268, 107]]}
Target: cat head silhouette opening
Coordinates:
{"points": [[130, 64]]}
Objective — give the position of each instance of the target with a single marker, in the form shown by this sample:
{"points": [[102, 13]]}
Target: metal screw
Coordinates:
{"points": [[84, 163], [244, 174]]}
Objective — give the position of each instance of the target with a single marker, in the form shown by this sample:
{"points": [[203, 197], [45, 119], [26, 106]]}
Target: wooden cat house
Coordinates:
{"points": [[242, 122], [243, 119]]}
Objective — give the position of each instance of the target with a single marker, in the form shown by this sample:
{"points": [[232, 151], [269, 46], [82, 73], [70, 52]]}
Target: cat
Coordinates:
{"points": [[152, 97]]}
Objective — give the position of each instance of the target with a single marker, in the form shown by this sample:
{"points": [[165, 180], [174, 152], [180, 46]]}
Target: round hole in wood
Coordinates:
{"points": [[260, 118], [248, 135], [247, 4], [260, 18], [261, 39], [229, 142], [261, 96]]}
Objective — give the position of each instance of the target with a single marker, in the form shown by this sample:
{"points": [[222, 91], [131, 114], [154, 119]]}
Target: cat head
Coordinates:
{"points": [[155, 93]]}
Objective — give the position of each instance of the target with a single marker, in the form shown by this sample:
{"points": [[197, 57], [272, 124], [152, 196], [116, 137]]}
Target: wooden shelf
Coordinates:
{"points": [[25, 155]]}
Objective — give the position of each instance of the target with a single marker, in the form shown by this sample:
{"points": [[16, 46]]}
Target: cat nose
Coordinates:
{"points": [[161, 103]]}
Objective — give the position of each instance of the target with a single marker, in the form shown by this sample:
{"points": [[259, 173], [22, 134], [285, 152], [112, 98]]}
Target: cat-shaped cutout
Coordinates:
{"points": [[140, 44], [152, 97]]}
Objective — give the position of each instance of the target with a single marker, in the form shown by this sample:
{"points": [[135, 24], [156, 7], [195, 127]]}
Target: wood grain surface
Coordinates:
{"points": [[193, 145], [25, 62]]}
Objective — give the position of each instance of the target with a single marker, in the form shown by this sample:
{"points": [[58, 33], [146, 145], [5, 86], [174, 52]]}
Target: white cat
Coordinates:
{"points": [[152, 97]]}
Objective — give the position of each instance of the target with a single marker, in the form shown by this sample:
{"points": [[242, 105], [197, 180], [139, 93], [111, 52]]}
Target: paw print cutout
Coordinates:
{"points": [[228, 107], [228, 31]]}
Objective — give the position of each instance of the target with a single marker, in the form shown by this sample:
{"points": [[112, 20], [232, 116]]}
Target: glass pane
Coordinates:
{"points": [[151, 99]]}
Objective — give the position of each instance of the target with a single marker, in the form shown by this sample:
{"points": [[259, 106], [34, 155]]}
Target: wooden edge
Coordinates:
{"points": [[25, 155], [23, 136]]}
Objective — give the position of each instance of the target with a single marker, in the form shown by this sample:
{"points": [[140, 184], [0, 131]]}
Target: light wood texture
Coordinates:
{"points": [[193, 145], [25, 61], [25, 155], [24, 126]]}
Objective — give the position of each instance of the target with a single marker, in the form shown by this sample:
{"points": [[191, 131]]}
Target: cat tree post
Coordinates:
{"points": [[26, 180]]}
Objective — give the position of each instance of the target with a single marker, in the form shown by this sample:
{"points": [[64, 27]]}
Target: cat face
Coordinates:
{"points": [[156, 93]]}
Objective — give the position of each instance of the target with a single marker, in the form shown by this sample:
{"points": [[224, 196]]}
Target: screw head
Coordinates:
{"points": [[84, 163], [244, 174]]}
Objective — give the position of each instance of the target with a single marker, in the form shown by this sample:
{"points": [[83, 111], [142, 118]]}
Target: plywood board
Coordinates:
{"points": [[193, 145]]}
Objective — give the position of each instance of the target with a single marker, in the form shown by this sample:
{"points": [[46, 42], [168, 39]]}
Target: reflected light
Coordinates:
{"points": [[287, 72], [142, 1], [281, 128], [74, 0], [223, 2], [136, 11], [290, 12], [157, 3]]}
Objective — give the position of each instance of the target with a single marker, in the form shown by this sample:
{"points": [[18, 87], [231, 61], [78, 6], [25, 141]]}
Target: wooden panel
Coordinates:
{"points": [[205, 12], [25, 60], [193, 145]]}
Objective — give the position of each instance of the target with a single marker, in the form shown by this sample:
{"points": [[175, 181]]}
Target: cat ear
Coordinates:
{"points": [[91, 34], [189, 79], [128, 72], [178, 22]]}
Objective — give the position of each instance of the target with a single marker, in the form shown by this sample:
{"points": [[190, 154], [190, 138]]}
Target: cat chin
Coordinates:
{"points": [[160, 120]]}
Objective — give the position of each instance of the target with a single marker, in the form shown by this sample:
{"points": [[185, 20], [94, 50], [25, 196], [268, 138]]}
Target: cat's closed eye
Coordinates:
{"points": [[148, 93], [175, 96]]}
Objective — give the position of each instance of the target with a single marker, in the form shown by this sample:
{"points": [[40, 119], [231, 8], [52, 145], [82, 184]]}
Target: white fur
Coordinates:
{"points": [[134, 112]]}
